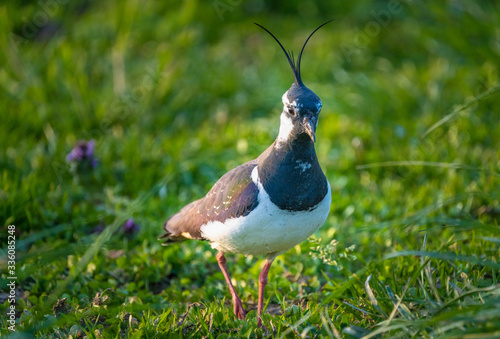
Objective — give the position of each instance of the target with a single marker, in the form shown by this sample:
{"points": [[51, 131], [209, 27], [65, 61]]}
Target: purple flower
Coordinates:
{"points": [[83, 152], [130, 226]]}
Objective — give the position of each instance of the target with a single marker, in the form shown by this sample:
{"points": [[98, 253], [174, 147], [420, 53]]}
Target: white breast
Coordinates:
{"points": [[267, 229]]}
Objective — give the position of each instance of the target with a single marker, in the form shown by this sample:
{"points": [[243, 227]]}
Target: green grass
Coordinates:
{"points": [[176, 95]]}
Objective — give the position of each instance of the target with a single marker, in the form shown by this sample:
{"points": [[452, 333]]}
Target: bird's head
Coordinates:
{"points": [[301, 106]]}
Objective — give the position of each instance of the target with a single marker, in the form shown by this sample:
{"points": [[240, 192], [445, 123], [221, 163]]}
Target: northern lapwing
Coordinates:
{"points": [[268, 205]]}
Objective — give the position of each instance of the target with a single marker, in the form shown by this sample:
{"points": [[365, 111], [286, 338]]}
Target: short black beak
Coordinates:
{"points": [[310, 127]]}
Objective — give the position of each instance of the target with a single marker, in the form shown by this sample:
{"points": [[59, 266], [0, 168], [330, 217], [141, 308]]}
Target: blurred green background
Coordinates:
{"points": [[176, 94]]}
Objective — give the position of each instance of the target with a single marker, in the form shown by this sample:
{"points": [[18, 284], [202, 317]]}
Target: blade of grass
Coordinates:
{"points": [[444, 256], [372, 298], [461, 108], [410, 163]]}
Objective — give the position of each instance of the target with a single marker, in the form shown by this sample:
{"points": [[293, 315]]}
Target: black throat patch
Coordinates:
{"points": [[292, 176]]}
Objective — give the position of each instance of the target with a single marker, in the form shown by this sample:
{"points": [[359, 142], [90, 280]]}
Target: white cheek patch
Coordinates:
{"points": [[286, 128]]}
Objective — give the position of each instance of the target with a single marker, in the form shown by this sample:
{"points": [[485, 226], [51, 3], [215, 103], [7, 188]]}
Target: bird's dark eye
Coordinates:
{"points": [[291, 111]]}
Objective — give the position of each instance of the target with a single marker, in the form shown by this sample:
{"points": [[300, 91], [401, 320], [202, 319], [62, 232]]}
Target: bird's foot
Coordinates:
{"points": [[238, 309]]}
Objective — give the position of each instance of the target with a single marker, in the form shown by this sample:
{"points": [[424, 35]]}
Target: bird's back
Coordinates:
{"points": [[233, 195]]}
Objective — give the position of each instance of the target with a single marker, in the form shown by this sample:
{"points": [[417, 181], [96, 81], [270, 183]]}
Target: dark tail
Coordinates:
{"points": [[183, 225], [168, 238]]}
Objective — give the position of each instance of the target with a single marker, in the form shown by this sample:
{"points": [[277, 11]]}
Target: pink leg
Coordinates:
{"points": [[237, 306], [262, 286]]}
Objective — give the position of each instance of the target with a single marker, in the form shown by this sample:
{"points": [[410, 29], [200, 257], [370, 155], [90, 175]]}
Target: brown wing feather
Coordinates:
{"points": [[233, 195]]}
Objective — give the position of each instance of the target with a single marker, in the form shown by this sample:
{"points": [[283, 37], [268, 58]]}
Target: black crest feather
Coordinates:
{"points": [[289, 55]]}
